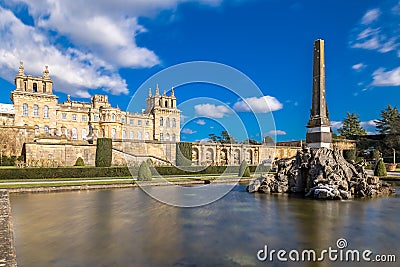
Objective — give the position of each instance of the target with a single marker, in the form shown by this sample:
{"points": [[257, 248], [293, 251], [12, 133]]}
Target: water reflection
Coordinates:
{"points": [[126, 227]]}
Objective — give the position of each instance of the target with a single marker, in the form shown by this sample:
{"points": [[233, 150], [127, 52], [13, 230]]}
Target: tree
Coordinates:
{"points": [[389, 122], [380, 169], [244, 170], [351, 127], [226, 138], [144, 173], [213, 137], [104, 152], [251, 142]]}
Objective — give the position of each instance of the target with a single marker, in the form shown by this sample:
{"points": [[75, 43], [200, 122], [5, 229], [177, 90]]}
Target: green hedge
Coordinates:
{"points": [[104, 152], [120, 171], [183, 154]]}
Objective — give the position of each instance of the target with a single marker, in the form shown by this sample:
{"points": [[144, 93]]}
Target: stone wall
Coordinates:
{"points": [[7, 249], [12, 139], [54, 152]]}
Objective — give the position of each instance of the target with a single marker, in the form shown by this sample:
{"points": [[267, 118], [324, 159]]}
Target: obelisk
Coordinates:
{"points": [[318, 127]]}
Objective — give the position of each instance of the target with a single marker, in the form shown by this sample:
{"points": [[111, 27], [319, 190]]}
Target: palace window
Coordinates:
{"points": [[24, 109], [74, 134], [123, 120], [84, 118], [37, 131], [44, 88], [173, 123], [45, 111], [113, 133], [173, 138], [161, 136], [147, 136], [96, 118], [46, 129], [35, 110], [139, 123], [131, 135], [84, 134], [112, 117], [34, 87], [167, 122], [74, 117], [161, 121], [139, 135], [131, 122], [123, 134], [147, 123], [167, 137]]}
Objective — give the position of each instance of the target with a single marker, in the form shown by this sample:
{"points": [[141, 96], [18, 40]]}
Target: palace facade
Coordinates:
{"points": [[36, 107]]}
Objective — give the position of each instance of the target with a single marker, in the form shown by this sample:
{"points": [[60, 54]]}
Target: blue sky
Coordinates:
{"points": [[113, 47]]}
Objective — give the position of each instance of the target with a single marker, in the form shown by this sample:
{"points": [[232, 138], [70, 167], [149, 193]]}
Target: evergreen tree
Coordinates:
{"points": [[389, 122], [351, 127]]}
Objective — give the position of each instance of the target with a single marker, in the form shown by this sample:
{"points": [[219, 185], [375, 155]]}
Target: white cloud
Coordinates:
{"points": [[386, 78], [98, 39], [263, 104], [370, 123], [201, 122], [336, 125], [276, 132], [358, 67], [188, 131], [371, 16], [211, 111]]}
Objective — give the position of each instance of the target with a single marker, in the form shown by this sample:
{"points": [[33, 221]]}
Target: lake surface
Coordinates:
{"points": [[126, 227]]}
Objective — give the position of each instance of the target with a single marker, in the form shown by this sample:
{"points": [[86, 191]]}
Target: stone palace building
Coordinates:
{"points": [[49, 133]]}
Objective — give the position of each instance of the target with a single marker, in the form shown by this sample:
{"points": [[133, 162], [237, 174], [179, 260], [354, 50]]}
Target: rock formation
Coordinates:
{"points": [[320, 173]]}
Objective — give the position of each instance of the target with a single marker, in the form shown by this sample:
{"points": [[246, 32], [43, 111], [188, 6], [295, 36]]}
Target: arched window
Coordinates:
{"points": [[139, 135], [113, 133], [166, 103], [46, 129], [46, 111], [173, 123], [35, 110], [84, 134], [113, 117], [103, 133], [131, 135], [34, 87], [37, 131], [74, 134], [147, 136], [44, 88], [161, 137], [123, 134], [167, 122], [161, 121], [173, 138], [24, 109], [167, 137]]}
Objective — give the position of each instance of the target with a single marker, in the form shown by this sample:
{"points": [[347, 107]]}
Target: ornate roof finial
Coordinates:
{"points": [[21, 68], [157, 90], [172, 91], [149, 92], [165, 92], [46, 72], [68, 98]]}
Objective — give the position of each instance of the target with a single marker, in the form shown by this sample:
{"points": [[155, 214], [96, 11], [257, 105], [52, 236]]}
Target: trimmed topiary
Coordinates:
{"points": [[144, 173], [79, 162], [183, 154], [380, 169], [104, 152], [244, 170]]}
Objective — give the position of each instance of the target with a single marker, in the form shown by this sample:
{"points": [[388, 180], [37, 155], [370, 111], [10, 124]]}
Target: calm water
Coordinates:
{"points": [[125, 227]]}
